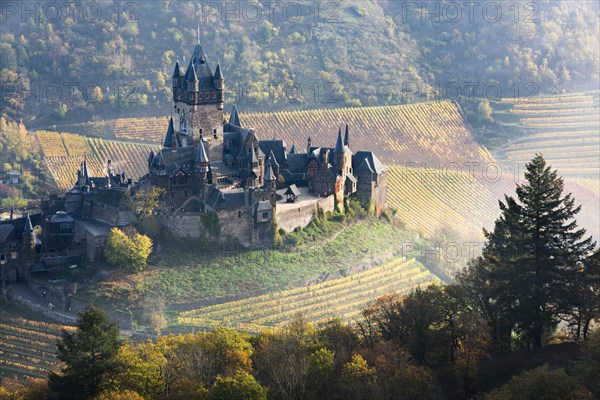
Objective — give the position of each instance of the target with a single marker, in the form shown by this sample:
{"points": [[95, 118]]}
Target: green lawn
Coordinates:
{"points": [[182, 277]]}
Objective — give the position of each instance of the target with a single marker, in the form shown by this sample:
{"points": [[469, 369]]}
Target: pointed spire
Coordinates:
{"points": [[272, 160], [193, 77], [293, 149], [347, 137], [198, 33], [234, 118], [170, 133], [84, 171], [151, 157], [218, 73], [201, 156], [339, 147], [159, 160], [269, 175], [177, 72], [28, 230], [253, 159]]}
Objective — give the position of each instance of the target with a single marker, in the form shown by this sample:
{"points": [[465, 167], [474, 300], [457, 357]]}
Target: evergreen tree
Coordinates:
{"points": [[89, 356], [550, 250], [528, 270]]}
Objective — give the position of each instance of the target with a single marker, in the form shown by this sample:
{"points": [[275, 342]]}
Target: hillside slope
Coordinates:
{"points": [[63, 154]]}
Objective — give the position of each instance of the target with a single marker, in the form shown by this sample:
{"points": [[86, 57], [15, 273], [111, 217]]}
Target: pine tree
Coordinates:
{"points": [[550, 250], [528, 270], [89, 356]]}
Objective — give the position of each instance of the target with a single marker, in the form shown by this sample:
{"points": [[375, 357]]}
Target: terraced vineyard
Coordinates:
{"points": [[431, 200], [343, 297], [27, 346], [150, 129], [429, 134], [565, 129], [64, 152]]}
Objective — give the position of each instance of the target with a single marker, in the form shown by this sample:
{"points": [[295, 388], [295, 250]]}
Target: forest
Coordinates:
{"points": [[95, 60]]}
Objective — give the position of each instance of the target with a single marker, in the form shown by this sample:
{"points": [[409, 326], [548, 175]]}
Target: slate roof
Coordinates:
{"points": [[218, 73], [277, 146], [12, 230], [339, 145], [264, 205], [5, 231], [201, 156], [226, 199], [365, 167], [234, 117], [293, 190], [94, 227], [269, 175], [198, 66], [170, 133], [177, 72], [297, 162], [373, 162], [173, 158]]}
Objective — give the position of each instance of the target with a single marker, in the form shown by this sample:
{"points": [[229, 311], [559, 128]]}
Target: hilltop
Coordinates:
{"points": [[350, 53]]}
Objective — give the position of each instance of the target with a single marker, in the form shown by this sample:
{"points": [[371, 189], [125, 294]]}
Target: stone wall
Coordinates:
{"points": [[236, 224], [110, 214], [300, 217]]}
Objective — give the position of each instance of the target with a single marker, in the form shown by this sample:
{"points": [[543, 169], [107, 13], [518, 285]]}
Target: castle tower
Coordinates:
{"points": [[338, 157], [270, 179], [198, 98], [27, 248]]}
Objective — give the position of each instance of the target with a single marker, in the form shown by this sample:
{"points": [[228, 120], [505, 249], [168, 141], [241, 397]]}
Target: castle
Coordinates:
{"points": [[211, 171], [208, 164]]}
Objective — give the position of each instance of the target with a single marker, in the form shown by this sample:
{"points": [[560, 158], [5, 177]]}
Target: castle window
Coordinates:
{"points": [[239, 214], [172, 194], [215, 133], [265, 215]]}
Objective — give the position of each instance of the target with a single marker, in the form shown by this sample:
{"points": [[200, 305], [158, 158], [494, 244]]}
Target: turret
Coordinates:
{"points": [[28, 244], [234, 117], [219, 79], [193, 85], [150, 158], [254, 158], [170, 137], [272, 163], [339, 147], [270, 179], [28, 229], [347, 137], [201, 157], [177, 76], [83, 176], [338, 156]]}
